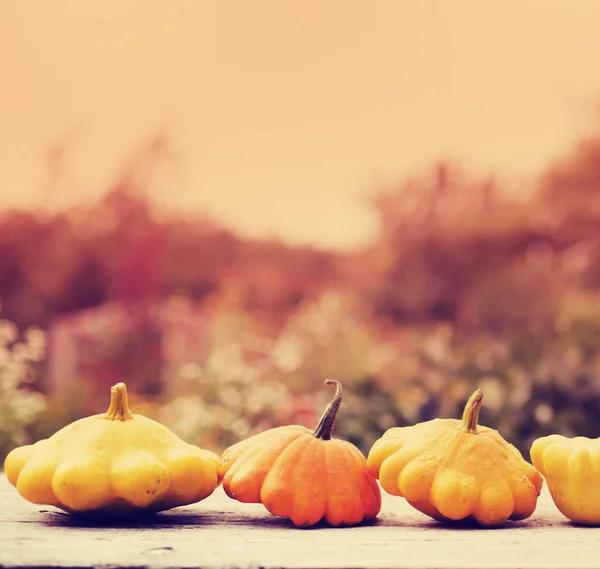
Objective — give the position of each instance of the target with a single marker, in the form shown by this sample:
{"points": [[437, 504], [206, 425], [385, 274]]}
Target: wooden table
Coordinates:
{"points": [[220, 532]]}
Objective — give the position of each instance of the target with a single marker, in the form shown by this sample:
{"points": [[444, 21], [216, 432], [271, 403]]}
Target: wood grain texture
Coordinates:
{"points": [[220, 532]]}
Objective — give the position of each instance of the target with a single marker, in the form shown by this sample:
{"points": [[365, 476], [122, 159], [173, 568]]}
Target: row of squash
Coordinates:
{"points": [[121, 464]]}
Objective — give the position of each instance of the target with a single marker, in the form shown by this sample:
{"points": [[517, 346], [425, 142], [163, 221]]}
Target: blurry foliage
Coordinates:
{"points": [[121, 249], [220, 337], [460, 251], [20, 404]]}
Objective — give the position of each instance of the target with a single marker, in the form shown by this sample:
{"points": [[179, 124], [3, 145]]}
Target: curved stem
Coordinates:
{"points": [[119, 408], [325, 426], [471, 412]]}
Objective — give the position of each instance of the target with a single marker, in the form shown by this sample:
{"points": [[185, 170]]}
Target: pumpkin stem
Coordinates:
{"points": [[471, 412], [118, 409], [325, 426]]}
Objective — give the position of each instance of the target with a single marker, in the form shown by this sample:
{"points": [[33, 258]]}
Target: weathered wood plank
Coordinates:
{"points": [[220, 532]]}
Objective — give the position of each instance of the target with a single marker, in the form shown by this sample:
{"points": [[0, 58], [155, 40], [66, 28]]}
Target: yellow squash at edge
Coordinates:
{"points": [[113, 464], [455, 470], [572, 470]]}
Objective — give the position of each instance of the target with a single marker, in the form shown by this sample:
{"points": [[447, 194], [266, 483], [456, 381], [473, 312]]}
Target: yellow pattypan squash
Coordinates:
{"points": [[113, 464], [572, 470], [455, 470]]}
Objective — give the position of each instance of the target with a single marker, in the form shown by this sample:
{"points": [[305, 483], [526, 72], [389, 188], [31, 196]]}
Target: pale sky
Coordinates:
{"points": [[284, 112]]}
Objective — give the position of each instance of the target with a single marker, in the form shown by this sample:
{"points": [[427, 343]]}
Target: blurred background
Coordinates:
{"points": [[223, 204]]}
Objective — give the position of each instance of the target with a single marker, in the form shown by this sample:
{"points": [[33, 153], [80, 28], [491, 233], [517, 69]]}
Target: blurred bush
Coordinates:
{"points": [[20, 404], [467, 285]]}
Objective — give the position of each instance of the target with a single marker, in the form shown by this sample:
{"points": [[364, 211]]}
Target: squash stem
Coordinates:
{"points": [[325, 426], [119, 408], [471, 412]]}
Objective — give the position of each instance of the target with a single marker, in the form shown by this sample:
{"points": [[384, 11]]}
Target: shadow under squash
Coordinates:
{"points": [[173, 518]]}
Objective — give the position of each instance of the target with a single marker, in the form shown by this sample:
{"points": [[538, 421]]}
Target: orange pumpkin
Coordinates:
{"points": [[303, 475]]}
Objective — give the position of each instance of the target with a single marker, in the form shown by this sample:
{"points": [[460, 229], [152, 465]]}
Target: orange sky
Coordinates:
{"points": [[284, 112]]}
